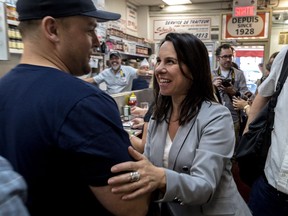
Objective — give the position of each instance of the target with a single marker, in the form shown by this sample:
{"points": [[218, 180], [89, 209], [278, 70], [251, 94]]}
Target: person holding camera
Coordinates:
{"points": [[230, 82]]}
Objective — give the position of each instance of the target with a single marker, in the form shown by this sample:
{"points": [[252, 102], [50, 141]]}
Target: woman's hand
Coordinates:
{"points": [[137, 123], [150, 179], [239, 103], [138, 111], [217, 81]]}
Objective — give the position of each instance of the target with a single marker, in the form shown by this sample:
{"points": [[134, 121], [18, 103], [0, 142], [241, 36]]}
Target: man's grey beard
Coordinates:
{"points": [[115, 67]]}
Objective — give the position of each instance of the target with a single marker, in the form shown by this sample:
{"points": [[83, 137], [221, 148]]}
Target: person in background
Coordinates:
{"points": [[269, 193], [267, 68], [230, 82], [142, 82], [60, 133], [261, 68], [118, 78], [13, 191], [190, 139]]}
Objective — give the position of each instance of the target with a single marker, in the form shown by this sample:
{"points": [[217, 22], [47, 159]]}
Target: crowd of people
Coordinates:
{"points": [[64, 149]]}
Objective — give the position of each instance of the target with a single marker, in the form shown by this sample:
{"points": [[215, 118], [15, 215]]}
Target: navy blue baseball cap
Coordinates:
{"points": [[115, 53], [38, 9]]}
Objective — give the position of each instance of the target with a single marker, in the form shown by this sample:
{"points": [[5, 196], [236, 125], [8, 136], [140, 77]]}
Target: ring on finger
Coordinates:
{"points": [[134, 176]]}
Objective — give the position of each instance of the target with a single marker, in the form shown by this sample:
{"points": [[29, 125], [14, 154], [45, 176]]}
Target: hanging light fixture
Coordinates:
{"points": [[177, 2]]}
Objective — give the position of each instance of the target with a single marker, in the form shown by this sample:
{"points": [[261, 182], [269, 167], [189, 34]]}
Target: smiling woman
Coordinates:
{"points": [[190, 139]]}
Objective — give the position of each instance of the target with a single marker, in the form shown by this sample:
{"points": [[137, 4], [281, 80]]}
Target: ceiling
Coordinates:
{"points": [[160, 2]]}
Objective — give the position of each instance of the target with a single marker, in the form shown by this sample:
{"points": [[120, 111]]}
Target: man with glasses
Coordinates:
{"points": [[230, 82]]}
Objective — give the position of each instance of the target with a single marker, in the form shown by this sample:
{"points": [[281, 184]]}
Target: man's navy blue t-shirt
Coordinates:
{"points": [[62, 135]]}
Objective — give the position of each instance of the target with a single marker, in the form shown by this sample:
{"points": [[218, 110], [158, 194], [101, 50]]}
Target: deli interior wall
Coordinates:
{"points": [[6, 66], [146, 17]]}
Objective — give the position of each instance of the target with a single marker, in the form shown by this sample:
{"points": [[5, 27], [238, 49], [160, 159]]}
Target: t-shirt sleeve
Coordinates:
{"points": [[268, 87], [93, 133]]}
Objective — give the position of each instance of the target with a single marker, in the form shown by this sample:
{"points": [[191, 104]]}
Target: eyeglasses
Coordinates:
{"points": [[226, 56]]}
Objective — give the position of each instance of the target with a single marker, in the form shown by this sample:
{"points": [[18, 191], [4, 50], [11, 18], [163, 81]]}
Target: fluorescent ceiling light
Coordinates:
{"points": [[176, 8], [177, 2]]}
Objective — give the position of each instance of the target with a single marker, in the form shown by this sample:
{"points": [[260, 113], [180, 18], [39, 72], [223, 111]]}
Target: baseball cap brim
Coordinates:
{"points": [[115, 53], [38, 9], [102, 16]]}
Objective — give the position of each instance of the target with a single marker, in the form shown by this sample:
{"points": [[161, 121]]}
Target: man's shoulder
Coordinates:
{"points": [[239, 73], [237, 70]]}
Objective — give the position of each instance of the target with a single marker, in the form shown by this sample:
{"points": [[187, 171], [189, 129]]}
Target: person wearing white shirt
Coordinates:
{"points": [[269, 194]]}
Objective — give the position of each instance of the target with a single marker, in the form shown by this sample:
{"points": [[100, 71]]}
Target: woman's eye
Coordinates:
{"points": [[170, 61]]}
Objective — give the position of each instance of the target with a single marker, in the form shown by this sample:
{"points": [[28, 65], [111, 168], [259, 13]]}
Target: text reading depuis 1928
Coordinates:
{"points": [[245, 26]]}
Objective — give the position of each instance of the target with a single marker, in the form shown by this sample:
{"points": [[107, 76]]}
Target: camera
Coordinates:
{"points": [[226, 82]]}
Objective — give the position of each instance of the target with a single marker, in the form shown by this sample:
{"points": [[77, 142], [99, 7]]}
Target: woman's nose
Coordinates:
{"points": [[159, 68]]}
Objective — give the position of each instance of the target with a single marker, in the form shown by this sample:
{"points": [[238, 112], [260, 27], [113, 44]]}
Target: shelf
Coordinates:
{"points": [[97, 57], [98, 54], [112, 37], [130, 54], [16, 51], [12, 22]]}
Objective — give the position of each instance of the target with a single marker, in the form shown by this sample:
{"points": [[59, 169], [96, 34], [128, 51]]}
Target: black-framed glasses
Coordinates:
{"points": [[226, 56]]}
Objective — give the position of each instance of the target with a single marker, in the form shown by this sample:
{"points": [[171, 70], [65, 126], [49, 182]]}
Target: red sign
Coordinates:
{"points": [[241, 11]]}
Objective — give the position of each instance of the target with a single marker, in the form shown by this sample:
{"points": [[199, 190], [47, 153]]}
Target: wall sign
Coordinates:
{"points": [[200, 27], [283, 38], [131, 18], [245, 27]]}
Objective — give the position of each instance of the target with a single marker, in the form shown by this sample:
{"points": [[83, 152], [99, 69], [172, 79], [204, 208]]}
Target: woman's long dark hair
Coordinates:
{"points": [[191, 52]]}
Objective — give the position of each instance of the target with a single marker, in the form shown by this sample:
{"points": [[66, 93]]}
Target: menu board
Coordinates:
{"points": [[198, 26]]}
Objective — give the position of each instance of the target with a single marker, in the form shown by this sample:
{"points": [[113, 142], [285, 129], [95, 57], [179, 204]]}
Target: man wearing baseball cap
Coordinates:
{"points": [[118, 78], [60, 133]]}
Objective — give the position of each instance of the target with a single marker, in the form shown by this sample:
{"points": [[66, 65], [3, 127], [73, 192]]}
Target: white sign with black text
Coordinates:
{"points": [[200, 27]]}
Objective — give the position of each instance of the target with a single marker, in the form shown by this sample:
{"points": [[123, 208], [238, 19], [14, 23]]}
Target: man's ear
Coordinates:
{"points": [[50, 28]]}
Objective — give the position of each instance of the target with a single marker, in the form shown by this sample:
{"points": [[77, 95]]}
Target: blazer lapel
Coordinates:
{"points": [[159, 143], [179, 140]]}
